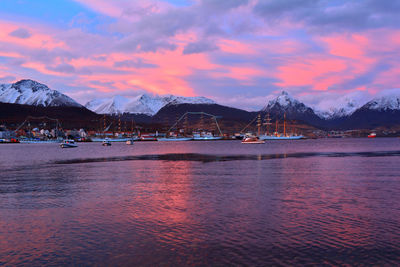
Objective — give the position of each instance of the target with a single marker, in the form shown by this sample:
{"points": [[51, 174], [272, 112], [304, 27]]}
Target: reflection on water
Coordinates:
{"points": [[208, 205]]}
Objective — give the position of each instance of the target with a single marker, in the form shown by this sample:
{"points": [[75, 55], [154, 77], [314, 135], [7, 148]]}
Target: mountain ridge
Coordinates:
{"points": [[29, 92], [378, 111], [142, 104]]}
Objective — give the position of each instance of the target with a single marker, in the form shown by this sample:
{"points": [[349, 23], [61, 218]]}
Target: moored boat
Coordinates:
{"points": [[276, 135], [281, 137], [205, 137], [252, 140], [147, 138], [68, 144], [106, 142], [372, 135]]}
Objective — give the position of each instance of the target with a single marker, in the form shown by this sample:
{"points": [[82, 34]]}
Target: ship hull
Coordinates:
{"points": [[271, 137]]}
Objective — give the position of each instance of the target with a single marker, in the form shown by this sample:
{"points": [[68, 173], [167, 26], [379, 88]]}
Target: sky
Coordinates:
{"points": [[237, 52]]}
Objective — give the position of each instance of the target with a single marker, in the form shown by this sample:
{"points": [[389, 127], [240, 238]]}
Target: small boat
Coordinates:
{"points": [[147, 138], [372, 135], [129, 142], [252, 140], [106, 142], [68, 144]]}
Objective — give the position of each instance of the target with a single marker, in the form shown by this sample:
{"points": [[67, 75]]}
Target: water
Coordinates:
{"points": [[307, 202]]}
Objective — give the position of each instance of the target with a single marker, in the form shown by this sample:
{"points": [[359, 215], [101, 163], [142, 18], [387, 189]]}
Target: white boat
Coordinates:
{"points": [[175, 139], [205, 137], [129, 142], [147, 138], [68, 144], [252, 140], [106, 142]]}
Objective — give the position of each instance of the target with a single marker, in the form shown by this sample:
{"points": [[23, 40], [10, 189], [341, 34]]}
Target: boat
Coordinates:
{"points": [[147, 138], [276, 135], [205, 137], [8, 141], [281, 137], [252, 140], [68, 144], [175, 138], [372, 135], [131, 140], [106, 142]]}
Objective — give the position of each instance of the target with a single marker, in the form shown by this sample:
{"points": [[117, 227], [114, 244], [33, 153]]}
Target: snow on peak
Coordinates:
{"points": [[29, 92], [341, 109], [388, 102], [284, 101], [142, 104]]}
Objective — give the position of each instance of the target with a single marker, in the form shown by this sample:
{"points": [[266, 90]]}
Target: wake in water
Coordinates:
{"points": [[205, 158]]}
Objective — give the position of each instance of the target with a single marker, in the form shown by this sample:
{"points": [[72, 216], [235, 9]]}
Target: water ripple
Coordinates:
{"points": [[205, 158]]}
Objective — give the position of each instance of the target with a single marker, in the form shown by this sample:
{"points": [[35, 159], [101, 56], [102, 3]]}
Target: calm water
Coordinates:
{"points": [[308, 202]]}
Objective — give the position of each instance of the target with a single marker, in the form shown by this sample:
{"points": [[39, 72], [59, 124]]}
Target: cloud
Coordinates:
{"points": [[63, 68], [226, 50], [7, 79], [218, 5], [333, 16], [137, 64], [199, 47], [20, 33]]}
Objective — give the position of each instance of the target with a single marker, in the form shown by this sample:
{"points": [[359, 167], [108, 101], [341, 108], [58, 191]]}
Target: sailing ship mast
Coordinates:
{"points": [[258, 124], [267, 123], [119, 123], [284, 124]]}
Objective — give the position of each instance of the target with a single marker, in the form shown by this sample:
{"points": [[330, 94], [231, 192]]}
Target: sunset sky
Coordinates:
{"points": [[237, 52]]}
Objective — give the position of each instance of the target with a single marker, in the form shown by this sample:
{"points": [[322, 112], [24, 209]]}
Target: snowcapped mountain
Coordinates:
{"points": [[143, 104], [285, 103], [29, 92], [342, 109], [384, 103], [292, 108]]}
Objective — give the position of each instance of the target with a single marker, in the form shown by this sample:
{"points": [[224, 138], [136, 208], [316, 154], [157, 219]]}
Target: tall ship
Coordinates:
{"points": [[276, 135], [199, 134]]}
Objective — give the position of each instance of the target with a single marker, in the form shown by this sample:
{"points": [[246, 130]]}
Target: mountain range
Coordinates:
{"points": [[382, 111], [143, 104], [28, 92]]}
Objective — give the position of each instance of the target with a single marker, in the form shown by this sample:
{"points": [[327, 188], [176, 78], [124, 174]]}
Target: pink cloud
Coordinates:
{"points": [[38, 39], [235, 47], [348, 46], [311, 72]]}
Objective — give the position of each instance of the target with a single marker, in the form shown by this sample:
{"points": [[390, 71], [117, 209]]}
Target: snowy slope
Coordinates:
{"points": [[285, 102], [388, 102], [30, 92], [143, 104], [107, 105], [342, 109]]}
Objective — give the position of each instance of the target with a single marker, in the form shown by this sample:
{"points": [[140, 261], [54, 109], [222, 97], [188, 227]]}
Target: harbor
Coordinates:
{"points": [[292, 202]]}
